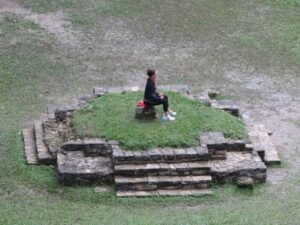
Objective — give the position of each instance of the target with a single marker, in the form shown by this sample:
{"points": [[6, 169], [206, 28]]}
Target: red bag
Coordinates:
{"points": [[141, 104]]}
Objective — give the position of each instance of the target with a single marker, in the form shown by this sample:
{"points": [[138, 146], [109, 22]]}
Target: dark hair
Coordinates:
{"points": [[150, 72]]}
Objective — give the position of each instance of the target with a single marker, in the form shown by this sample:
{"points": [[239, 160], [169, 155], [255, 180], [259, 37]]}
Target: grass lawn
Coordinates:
{"points": [[112, 117], [202, 43]]}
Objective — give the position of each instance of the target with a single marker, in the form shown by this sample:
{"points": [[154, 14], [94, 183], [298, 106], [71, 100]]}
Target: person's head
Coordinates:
{"points": [[152, 74]]}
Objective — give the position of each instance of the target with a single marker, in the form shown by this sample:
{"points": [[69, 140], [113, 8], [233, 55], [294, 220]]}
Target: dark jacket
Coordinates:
{"points": [[150, 94]]}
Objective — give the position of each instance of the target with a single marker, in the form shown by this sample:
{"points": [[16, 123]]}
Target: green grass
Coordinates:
{"points": [[50, 6], [287, 2], [120, 8], [194, 42], [112, 117]]}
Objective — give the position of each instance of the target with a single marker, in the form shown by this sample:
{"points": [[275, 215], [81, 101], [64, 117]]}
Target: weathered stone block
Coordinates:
{"points": [[115, 90], [249, 147], [43, 154], [129, 156], [96, 147], [236, 145], [73, 168], [99, 91], [60, 115], [228, 106], [83, 100], [168, 154], [191, 154], [73, 146], [245, 182], [214, 141], [213, 93], [179, 154], [238, 164], [148, 112], [30, 146], [118, 155], [155, 154]]}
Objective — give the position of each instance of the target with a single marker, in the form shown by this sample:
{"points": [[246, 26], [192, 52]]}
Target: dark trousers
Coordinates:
{"points": [[164, 102]]}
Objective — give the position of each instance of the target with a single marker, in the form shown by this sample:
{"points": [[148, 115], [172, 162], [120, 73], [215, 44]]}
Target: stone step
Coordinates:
{"points": [[30, 146], [216, 144], [168, 155], [74, 168], [43, 154], [262, 144], [238, 146], [238, 164], [226, 105], [162, 182], [91, 147], [160, 192], [163, 169]]}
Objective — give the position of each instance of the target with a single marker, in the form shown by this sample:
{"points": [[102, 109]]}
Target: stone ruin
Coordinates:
{"points": [[161, 171]]}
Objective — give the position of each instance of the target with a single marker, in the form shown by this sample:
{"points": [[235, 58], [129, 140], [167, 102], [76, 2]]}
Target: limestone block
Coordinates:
{"points": [[236, 145], [99, 91], [212, 93], [155, 154], [245, 182], [73, 168], [214, 141], [96, 147], [145, 113], [61, 114], [73, 145]]}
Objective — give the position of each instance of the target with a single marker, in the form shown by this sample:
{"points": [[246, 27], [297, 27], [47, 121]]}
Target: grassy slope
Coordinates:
{"points": [[112, 116], [31, 74]]}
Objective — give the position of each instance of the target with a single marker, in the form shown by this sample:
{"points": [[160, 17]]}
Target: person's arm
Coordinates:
{"points": [[154, 94]]}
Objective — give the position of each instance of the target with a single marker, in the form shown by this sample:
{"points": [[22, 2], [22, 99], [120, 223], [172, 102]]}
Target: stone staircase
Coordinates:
{"points": [[36, 152], [162, 172]]}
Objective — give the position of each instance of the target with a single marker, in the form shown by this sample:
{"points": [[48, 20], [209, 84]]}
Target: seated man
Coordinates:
{"points": [[151, 97]]}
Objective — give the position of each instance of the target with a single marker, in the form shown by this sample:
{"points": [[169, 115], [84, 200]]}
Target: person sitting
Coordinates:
{"points": [[152, 97]]}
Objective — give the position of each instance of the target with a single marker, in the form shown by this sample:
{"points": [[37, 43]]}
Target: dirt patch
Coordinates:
{"points": [[54, 23], [10, 7]]}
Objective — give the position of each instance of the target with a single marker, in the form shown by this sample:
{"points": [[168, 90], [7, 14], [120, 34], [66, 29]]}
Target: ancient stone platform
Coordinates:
{"points": [[160, 171], [74, 168]]}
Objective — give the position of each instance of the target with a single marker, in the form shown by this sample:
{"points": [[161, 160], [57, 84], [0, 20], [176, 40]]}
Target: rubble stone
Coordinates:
{"points": [[212, 93], [99, 91]]}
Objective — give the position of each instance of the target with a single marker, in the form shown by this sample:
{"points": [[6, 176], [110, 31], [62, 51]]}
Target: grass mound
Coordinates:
{"points": [[112, 117]]}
